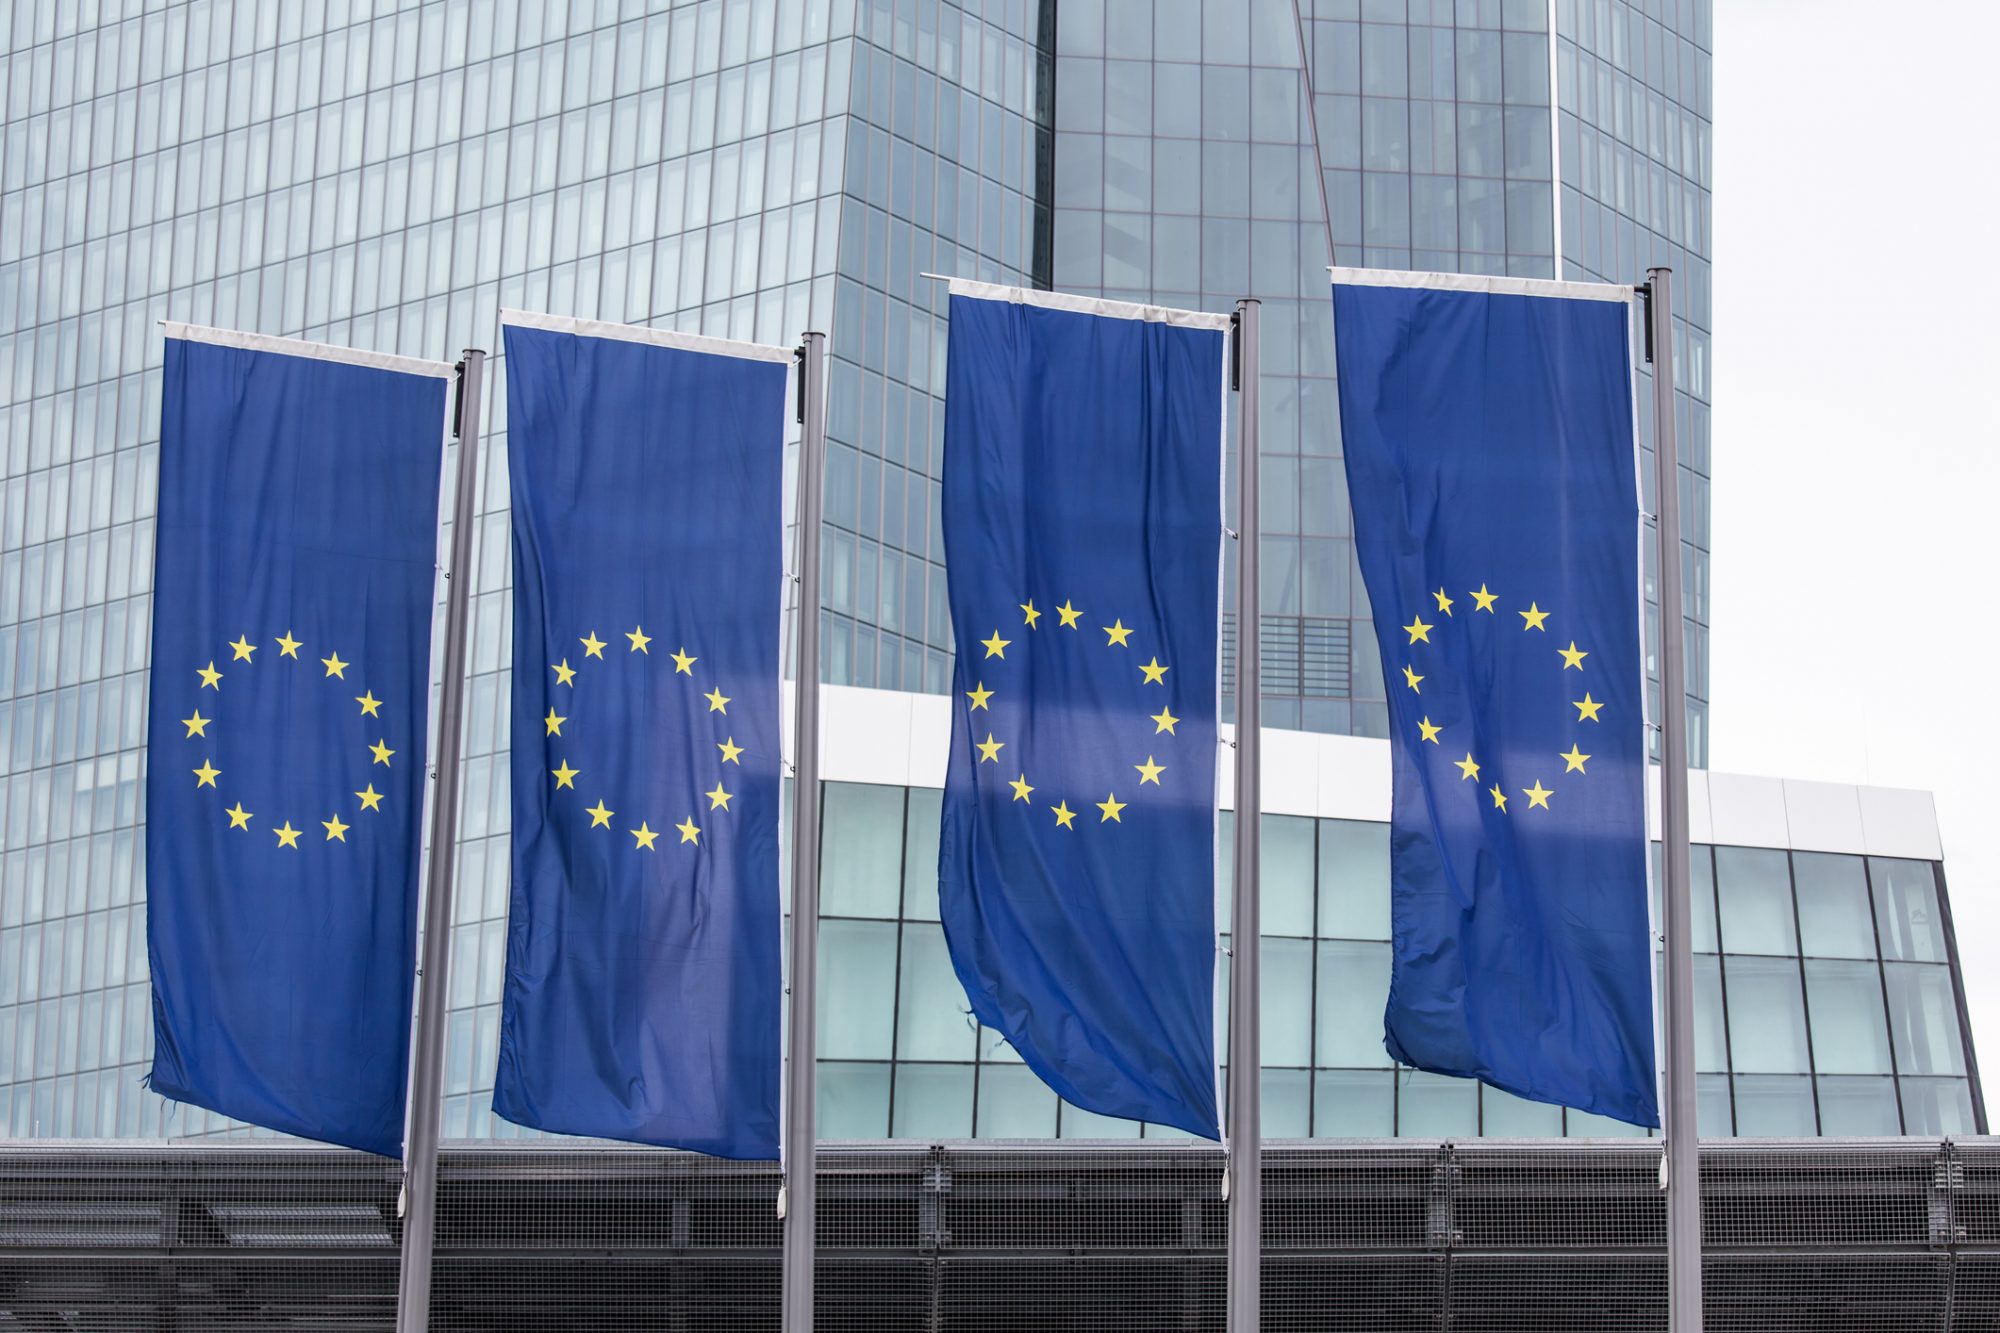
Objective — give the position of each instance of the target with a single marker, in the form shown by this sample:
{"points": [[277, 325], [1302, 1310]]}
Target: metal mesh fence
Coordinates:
{"points": [[1364, 1235]]}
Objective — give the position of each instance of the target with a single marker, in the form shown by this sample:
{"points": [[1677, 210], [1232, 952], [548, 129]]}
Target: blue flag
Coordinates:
{"points": [[1082, 533], [643, 991], [292, 596], [1490, 459]]}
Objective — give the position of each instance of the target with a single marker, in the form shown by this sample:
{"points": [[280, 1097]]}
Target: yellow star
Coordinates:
{"points": [[1111, 805], [730, 749], [592, 646], [1586, 708], [369, 703], [1029, 614], [334, 666], [989, 749], [1418, 630], [683, 663], [380, 749], [335, 830], [1484, 599], [196, 725], [1499, 797], [979, 694], [210, 678], [718, 702], [287, 835], [1412, 677], [554, 723], [600, 814], [1165, 722], [1537, 795], [689, 833], [718, 798], [565, 776], [1118, 634], [238, 816], [637, 634], [206, 775], [996, 646], [1021, 788], [1572, 656], [1063, 814], [289, 646], [1467, 766], [1155, 674], [242, 648], [1574, 759], [642, 837], [1150, 771], [1444, 602], [370, 798], [565, 673], [1534, 615], [1068, 614], [1430, 732]]}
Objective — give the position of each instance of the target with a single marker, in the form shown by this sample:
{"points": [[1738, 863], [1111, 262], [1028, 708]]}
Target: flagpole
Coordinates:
{"points": [[798, 1189], [420, 1148], [1682, 1148], [1245, 1180]]}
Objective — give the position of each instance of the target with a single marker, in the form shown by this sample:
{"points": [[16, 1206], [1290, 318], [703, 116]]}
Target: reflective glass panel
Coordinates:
{"points": [[1754, 897], [1934, 1106], [1353, 880], [1767, 1019], [1433, 1106], [1354, 1104], [933, 1101], [1353, 987], [1502, 1115], [1858, 1106], [1906, 907], [1850, 1032], [1834, 916], [1774, 1106], [1015, 1104], [1923, 1015], [861, 856]]}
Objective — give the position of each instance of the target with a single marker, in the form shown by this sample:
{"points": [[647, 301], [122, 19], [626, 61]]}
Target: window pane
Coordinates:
{"points": [[1850, 1033], [1923, 1015], [934, 1020], [920, 854], [1712, 1115], [1857, 1105], [861, 856], [1432, 1106], [1287, 996], [1906, 906], [1353, 880], [1015, 1104], [1755, 893], [1936, 1106], [1701, 887], [1834, 920], [1354, 1104], [1767, 1027], [853, 1100], [1711, 1038], [1776, 1106], [933, 1101], [1287, 1103], [1353, 986], [1078, 1123], [1584, 1125], [857, 990], [1502, 1115], [1286, 872]]}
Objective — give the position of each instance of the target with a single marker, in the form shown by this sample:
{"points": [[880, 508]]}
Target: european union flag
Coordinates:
{"points": [[643, 988], [292, 596], [1488, 432], [1082, 533]]}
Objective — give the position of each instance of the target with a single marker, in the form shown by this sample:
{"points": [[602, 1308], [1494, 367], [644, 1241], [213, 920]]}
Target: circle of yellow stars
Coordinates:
{"points": [[1533, 620], [1151, 672], [243, 655], [644, 837]]}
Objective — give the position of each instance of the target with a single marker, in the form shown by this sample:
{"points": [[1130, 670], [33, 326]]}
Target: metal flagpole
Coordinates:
{"points": [[1682, 1162], [797, 1193], [413, 1291], [1245, 1127]]}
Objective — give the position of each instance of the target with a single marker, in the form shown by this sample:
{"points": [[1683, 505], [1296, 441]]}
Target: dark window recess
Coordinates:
{"points": [[1304, 656]]}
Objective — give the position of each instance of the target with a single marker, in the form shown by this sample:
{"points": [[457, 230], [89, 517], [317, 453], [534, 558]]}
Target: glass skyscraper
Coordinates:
{"points": [[390, 175]]}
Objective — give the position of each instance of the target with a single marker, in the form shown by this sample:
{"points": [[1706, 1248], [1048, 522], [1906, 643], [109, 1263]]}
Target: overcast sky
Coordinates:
{"points": [[1856, 363]]}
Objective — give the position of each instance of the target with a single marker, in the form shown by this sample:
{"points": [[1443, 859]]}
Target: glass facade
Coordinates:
{"points": [[390, 175]]}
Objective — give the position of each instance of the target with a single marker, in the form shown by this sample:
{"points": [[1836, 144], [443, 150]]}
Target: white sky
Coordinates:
{"points": [[1856, 358]]}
